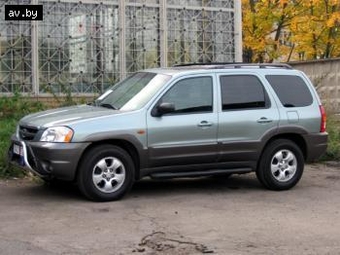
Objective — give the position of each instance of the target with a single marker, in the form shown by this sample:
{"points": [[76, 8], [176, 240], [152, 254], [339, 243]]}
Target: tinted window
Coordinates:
{"points": [[291, 90], [191, 95], [242, 91]]}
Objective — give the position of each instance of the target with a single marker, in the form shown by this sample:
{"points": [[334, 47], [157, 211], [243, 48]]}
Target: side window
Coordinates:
{"points": [[242, 92], [291, 90], [191, 95]]}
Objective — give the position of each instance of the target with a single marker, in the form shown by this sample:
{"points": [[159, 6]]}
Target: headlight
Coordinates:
{"points": [[57, 135]]}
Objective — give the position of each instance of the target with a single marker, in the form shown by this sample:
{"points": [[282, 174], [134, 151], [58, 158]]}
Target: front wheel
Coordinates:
{"points": [[106, 173], [281, 165]]}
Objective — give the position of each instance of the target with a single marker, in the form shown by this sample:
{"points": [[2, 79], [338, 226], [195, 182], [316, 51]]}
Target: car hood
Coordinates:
{"points": [[66, 115]]}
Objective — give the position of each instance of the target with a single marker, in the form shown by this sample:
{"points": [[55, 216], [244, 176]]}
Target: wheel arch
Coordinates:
{"points": [[293, 137], [123, 144]]}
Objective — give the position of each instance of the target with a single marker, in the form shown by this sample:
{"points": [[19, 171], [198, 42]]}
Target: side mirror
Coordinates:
{"points": [[162, 109]]}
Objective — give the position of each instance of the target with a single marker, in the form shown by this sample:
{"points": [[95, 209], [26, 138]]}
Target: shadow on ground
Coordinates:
{"points": [[145, 188]]}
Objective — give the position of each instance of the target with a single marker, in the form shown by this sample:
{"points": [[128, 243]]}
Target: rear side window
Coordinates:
{"points": [[242, 92], [291, 90]]}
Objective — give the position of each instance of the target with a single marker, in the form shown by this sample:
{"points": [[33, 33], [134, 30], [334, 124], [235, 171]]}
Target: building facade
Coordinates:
{"points": [[83, 47]]}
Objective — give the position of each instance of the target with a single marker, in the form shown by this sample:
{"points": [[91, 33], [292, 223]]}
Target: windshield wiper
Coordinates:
{"points": [[110, 106], [94, 103]]}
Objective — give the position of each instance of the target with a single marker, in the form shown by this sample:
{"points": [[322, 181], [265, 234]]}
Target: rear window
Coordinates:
{"points": [[291, 90]]}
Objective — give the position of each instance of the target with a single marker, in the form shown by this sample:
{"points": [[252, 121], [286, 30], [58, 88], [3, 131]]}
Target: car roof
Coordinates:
{"points": [[220, 67]]}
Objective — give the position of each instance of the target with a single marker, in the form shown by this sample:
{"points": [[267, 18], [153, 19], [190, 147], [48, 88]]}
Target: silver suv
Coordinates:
{"points": [[184, 121]]}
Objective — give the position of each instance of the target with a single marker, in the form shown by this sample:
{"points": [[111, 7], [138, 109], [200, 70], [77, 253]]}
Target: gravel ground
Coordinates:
{"points": [[183, 216]]}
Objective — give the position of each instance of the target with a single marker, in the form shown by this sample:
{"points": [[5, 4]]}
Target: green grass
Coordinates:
{"points": [[7, 128], [333, 129], [11, 110]]}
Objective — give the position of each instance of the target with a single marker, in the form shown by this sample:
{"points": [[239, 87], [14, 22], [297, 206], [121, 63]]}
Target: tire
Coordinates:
{"points": [[281, 165], [106, 173]]}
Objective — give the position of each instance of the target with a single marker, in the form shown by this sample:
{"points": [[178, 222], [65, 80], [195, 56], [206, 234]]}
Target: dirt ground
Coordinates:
{"points": [[183, 216]]}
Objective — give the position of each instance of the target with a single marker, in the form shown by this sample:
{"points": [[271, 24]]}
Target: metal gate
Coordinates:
{"points": [[83, 47]]}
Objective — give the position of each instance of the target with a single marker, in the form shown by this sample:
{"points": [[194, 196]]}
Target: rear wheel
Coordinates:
{"points": [[281, 165], [106, 173]]}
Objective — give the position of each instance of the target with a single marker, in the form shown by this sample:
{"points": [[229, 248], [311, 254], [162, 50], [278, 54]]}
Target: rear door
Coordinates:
{"points": [[187, 135], [246, 115]]}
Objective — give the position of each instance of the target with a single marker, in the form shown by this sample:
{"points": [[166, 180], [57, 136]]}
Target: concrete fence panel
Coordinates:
{"points": [[325, 75]]}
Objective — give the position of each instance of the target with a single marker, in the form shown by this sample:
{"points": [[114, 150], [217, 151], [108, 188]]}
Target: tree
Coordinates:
{"points": [[317, 32], [278, 30]]}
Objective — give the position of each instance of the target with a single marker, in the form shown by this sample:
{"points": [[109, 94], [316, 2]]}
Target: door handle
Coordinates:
{"points": [[263, 120], [204, 123]]}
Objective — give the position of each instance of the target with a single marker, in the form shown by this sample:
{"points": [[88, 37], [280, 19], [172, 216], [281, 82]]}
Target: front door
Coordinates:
{"points": [[188, 134]]}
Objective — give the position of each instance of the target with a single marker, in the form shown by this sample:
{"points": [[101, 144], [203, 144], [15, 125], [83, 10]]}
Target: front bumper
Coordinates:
{"points": [[47, 160]]}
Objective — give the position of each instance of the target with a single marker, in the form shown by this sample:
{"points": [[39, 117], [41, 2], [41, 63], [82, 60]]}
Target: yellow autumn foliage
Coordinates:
{"points": [[283, 30]]}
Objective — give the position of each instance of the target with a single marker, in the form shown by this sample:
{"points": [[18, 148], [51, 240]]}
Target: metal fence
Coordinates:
{"points": [[83, 47]]}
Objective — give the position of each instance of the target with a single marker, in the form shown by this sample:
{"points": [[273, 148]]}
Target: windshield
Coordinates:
{"points": [[133, 92]]}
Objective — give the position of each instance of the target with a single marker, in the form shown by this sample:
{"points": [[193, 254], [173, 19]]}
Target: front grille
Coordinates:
{"points": [[27, 133]]}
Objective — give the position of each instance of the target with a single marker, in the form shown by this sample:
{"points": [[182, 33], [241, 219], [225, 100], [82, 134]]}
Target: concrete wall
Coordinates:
{"points": [[325, 75]]}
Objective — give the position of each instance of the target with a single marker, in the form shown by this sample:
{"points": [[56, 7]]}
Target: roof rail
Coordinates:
{"points": [[205, 64], [221, 65]]}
